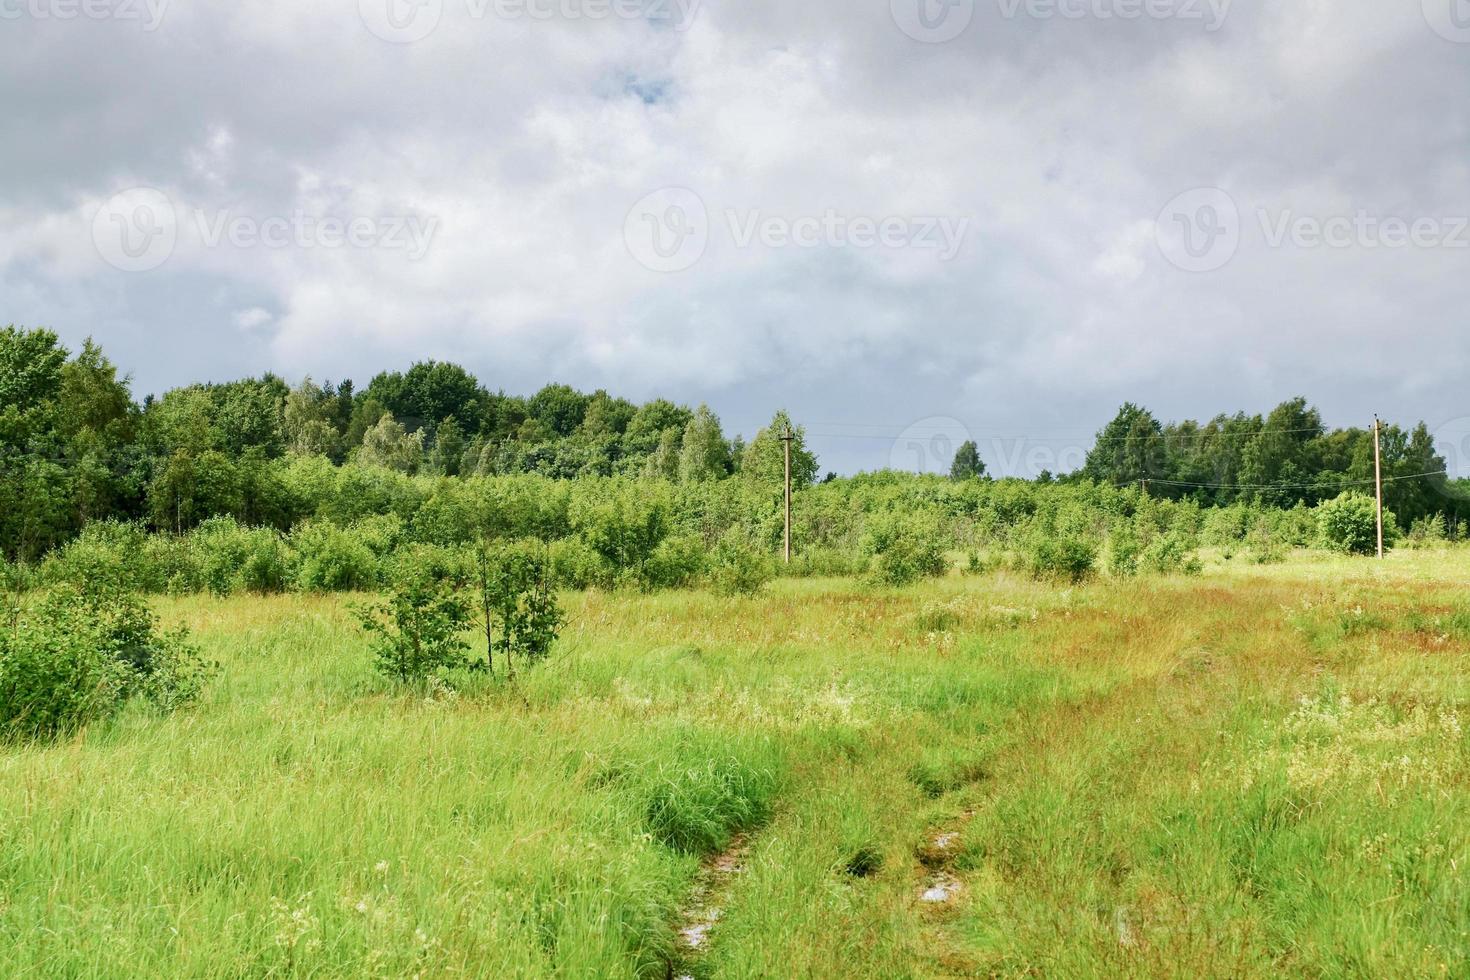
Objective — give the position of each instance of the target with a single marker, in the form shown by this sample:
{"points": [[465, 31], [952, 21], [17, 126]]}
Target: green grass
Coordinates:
{"points": [[1257, 771]]}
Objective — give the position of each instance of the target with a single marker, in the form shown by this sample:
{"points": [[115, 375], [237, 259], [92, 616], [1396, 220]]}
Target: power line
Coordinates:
{"points": [[1166, 438], [1288, 486]]}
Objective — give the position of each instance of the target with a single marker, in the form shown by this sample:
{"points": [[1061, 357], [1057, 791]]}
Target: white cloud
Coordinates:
{"points": [[529, 141]]}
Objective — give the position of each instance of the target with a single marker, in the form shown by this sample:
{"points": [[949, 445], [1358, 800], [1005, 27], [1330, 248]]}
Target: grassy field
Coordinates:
{"points": [[1257, 771]]}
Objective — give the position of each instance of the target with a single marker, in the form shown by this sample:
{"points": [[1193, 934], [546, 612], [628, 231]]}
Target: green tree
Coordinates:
{"points": [[389, 445], [704, 455], [309, 421], [560, 408], [967, 464], [426, 394], [1129, 449], [649, 424], [764, 460]]}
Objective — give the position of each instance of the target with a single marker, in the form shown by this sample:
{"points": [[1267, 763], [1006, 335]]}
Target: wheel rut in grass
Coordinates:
{"points": [[705, 905]]}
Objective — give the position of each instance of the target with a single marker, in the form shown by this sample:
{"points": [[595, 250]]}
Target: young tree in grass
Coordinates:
{"points": [[518, 605], [418, 630]]}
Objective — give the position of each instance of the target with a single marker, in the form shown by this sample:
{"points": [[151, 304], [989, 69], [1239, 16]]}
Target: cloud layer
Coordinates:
{"points": [[812, 145]]}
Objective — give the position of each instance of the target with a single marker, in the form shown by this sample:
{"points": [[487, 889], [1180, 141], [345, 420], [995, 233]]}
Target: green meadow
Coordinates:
{"points": [[1258, 771]]}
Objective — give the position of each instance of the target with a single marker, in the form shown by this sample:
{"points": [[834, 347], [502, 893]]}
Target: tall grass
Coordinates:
{"points": [[1169, 776]]}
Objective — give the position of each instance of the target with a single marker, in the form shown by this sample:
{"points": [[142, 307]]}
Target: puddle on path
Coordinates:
{"points": [[941, 888], [706, 900]]}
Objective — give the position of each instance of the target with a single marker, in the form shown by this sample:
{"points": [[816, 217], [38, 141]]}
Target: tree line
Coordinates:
{"points": [[1277, 460], [76, 446]]}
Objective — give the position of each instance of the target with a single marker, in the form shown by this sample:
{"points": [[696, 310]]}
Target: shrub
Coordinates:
{"points": [[676, 562], [16, 576], [55, 677], [1427, 532], [232, 558], [905, 549], [737, 568], [576, 565], [623, 522], [1172, 553], [78, 655], [330, 559], [418, 630], [1124, 550], [1065, 557], [1225, 526], [107, 553], [429, 563], [518, 602], [1349, 524]]}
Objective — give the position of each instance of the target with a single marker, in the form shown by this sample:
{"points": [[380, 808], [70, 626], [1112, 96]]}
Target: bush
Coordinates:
{"points": [[1171, 553], [1066, 557], [675, 563], [1428, 532], [330, 559], [429, 563], [624, 522], [905, 549], [576, 565], [1349, 525], [418, 631], [1124, 550], [78, 655], [517, 596], [107, 553], [232, 558], [736, 568]]}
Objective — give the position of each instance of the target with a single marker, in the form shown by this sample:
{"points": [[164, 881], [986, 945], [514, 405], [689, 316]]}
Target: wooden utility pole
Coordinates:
{"points": [[1378, 478], [787, 440]]}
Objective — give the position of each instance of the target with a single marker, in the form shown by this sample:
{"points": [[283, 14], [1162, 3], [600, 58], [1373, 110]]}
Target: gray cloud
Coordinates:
{"points": [[528, 141]]}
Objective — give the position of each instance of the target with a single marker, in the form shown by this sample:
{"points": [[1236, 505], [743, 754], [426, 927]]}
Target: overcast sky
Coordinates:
{"points": [[901, 219]]}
